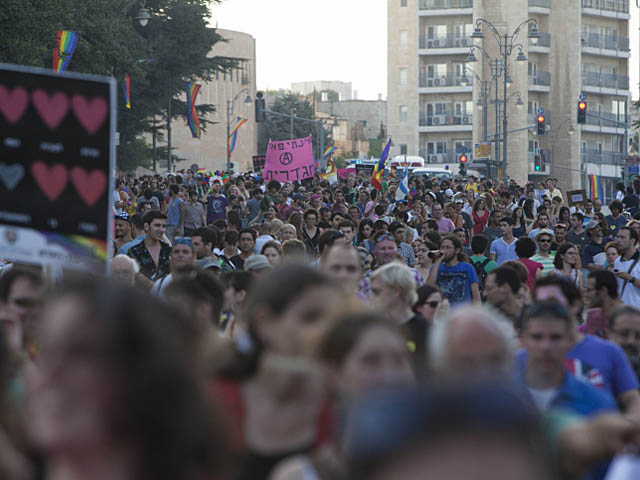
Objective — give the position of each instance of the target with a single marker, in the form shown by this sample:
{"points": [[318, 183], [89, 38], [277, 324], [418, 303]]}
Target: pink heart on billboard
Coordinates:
{"points": [[90, 186], [52, 108], [13, 103], [51, 180], [90, 113]]}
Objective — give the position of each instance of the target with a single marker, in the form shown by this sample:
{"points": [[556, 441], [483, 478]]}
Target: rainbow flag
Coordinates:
{"points": [[66, 43], [127, 91], [192, 116], [376, 178], [233, 136], [596, 187], [329, 151], [331, 175]]}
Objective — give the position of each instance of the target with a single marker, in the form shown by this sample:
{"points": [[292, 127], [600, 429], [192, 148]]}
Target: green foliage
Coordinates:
{"points": [[375, 147], [332, 96], [279, 128], [340, 163], [112, 43]]}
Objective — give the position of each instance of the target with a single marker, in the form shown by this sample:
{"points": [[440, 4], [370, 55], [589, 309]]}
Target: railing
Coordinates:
{"points": [[433, 120], [450, 40], [540, 3], [451, 79], [605, 80], [544, 40], [444, 4], [607, 119], [618, 6], [605, 157], [540, 78], [606, 42]]}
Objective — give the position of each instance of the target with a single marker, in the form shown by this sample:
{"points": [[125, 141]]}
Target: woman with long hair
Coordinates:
{"points": [[564, 216], [520, 227], [480, 215], [362, 351], [423, 260], [117, 393], [452, 214], [431, 302], [528, 213], [296, 220], [273, 389], [365, 233], [567, 264]]}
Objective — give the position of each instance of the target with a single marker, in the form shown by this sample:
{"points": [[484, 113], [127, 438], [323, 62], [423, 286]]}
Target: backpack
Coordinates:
{"points": [[481, 272]]}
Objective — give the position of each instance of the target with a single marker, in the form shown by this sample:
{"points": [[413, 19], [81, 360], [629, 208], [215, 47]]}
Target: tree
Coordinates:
{"points": [[279, 128], [112, 43]]}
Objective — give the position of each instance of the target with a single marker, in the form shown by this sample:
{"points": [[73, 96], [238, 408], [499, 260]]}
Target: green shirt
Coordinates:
{"points": [[547, 263], [489, 267]]}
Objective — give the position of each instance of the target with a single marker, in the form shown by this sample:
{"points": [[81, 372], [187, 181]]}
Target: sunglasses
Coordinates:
{"points": [[433, 304], [546, 240], [382, 238], [560, 225]]}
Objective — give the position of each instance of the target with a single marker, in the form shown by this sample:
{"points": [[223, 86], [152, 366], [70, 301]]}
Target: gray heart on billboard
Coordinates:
{"points": [[11, 174]]}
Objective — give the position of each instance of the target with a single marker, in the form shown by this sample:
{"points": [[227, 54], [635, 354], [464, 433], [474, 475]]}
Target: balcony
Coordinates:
{"points": [[540, 6], [540, 82], [449, 83], [597, 82], [543, 45], [604, 157], [445, 119], [608, 45], [444, 4], [444, 44], [607, 123], [606, 8]]}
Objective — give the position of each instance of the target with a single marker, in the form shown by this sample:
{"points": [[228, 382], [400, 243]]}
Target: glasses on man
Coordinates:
{"points": [[544, 240]]}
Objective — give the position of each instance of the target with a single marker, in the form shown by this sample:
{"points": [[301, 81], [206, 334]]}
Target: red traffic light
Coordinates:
{"points": [[540, 118], [582, 105], [463, 158]]}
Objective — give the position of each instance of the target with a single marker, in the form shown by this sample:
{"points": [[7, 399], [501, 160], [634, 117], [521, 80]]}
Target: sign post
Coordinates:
{"points": [[57, 163]]}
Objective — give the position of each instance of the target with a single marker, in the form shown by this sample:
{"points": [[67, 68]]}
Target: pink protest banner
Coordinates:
{"points": [[289, 160], [346, 173]]}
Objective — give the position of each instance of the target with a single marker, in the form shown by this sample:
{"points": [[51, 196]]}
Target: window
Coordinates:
{"points": [[403, 3], [403, 149], [619, 108], [404, 74], [364, 123], [437, 70], [437, 148], [404, 114], [404, 38]]}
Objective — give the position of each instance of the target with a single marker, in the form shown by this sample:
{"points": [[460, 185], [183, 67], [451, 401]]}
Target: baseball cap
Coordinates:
{"points": [[298, 196], [592, 224], [448, 192], [183, 241], [256, 263]]}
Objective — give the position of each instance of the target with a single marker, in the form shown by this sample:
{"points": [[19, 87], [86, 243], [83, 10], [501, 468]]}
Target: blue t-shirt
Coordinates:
{"points": [[216, 208], [456, 281], [173, 213], [600, 363], [502, 251]]}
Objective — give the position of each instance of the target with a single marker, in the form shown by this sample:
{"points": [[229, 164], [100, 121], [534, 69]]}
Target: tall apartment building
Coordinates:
{"points": [[583, 47]]}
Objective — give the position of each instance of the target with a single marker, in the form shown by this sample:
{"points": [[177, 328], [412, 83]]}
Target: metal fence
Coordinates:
{"points": [[608, 119], [447, 118], [450, 40], [540, 78], [540, 3], [619, 6], [605, 80], [451, 79], [444, 4], [606, 42], [606, 157]]}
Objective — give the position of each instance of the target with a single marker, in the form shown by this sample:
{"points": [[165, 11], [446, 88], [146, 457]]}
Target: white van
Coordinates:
{"points": [[433, 171], [408, 161]]}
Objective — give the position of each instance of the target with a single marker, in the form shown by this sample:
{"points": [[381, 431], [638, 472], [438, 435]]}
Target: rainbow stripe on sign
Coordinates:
{"points": [[233, 136], [192, 117], [66, 43], [329, 151], [596, 187], [127, 91]]}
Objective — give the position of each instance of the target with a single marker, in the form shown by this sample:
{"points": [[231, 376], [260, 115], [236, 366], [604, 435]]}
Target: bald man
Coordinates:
{"points": [[124, 269]]}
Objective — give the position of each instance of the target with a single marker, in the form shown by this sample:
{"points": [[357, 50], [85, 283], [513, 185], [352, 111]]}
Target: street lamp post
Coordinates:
{"points": [[506, 44], [230, 104]]}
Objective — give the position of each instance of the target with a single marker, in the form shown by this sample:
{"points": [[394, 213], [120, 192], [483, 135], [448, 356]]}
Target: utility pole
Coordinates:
{"points": [[169, 159]]}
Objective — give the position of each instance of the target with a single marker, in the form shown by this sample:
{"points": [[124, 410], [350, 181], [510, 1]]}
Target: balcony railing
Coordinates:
{"points": [[450, 40], [540, 78], [605, 80], [603, 157], [444, 4], [451, 79], [540, 3], [544, 40], [606, 42], [617, 6], [607, 119], [433, 120]]}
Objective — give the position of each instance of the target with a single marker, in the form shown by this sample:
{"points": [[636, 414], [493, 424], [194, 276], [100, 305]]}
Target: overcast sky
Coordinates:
{"points": [[346, 40]]}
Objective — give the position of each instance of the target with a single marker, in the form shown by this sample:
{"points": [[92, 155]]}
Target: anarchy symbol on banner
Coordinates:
{"points": [[286, 158]]}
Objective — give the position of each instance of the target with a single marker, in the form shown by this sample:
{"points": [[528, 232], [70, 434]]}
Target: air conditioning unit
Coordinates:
{"points": [[462, 42], [430, 43], [436, 43], [439, 158], [466, 120], [438, 120], [437, 82]]}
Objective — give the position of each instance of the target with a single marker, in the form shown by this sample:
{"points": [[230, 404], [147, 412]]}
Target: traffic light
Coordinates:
{"points": [[582, 111], [260, 115], [537, 163], [463, 163], [542, 129]]}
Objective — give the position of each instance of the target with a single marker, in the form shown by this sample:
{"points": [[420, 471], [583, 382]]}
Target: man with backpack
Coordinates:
{"points": [[482, 264]]}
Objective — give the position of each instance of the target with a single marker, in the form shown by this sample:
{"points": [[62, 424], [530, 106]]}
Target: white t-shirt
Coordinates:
{"points": [[542, 398], [160, 285], [631, 294]]}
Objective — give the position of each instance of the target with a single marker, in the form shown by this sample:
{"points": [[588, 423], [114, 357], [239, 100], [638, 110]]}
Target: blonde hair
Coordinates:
{"points": [[398, 275]]}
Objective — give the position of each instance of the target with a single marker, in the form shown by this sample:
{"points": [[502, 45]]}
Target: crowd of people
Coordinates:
{"points": [[317, 330]]}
